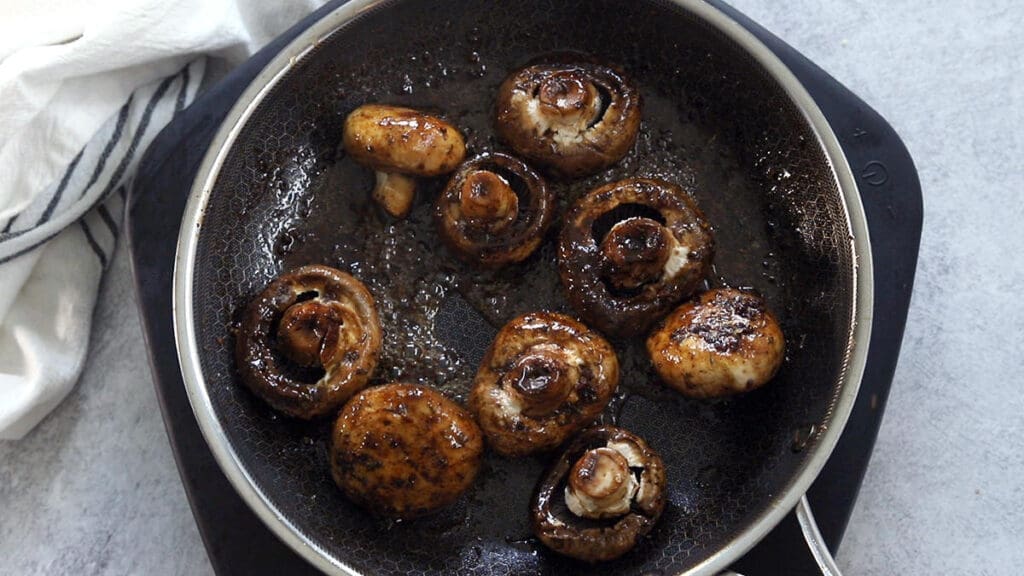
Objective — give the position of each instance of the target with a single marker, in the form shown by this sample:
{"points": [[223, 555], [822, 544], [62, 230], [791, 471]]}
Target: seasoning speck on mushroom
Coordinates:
{"points": [[725, 343], [309, 341], [494, 211], [403, 451], [573, 118], [544, 377], [630, 250], [612, 485], [400, 144]]}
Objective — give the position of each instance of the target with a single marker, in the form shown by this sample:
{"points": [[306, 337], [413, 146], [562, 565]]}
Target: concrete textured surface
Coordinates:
{"points": [[93, 490]]}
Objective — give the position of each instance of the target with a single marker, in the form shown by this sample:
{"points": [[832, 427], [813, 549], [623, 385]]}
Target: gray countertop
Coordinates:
{"points": [[94, 490]]}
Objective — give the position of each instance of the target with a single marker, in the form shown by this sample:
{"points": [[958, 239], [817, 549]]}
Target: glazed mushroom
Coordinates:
{"points": [[309, 341], [400, 144], [573, 118], [603, 495], [544, 377], [494, 211], [630, 251], [403, 451], [724, 343]]}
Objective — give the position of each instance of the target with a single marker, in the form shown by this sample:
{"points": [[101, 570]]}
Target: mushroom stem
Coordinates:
{"points": [[567, 99], [541, 379], [395, 192], [600, 485], [636, 251], [487, 199], [308, 333]]}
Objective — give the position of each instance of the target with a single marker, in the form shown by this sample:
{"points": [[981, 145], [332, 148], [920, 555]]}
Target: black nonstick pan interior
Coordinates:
{"points": [[714, 122]]}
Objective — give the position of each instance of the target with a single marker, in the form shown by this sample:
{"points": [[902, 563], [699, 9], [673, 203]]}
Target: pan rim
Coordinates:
{"points": [[192, 223]]}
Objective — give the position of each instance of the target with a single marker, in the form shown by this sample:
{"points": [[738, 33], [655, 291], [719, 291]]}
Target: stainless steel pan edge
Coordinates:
{"points": [[193, 221]]}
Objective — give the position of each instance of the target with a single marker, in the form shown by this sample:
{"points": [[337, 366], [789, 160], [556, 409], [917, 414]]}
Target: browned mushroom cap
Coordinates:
{"points": [[630, 250], [724, 343], [574, 118], [309, 341], [403, 451], [603, 494], [400, 143], [494, 211], [544, 377]]}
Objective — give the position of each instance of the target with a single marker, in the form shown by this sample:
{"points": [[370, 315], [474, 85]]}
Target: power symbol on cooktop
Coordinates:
{"points": [[875, 173]]}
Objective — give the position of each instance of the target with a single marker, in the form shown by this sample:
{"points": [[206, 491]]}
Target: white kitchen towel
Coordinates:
{"points": [[83, 91]]}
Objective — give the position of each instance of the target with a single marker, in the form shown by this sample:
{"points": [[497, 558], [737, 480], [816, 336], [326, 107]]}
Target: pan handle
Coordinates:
{"points": [[815, 542]]}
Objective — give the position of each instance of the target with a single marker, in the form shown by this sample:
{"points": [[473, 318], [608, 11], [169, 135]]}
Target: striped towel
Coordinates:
{"points": [[101, 168], [77, 113]]}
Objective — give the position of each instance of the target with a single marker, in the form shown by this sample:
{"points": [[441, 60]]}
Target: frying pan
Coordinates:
{"points": [[722, 117]]}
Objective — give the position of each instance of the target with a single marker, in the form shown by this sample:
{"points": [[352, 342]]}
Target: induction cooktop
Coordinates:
{"points": [[237, 541]]}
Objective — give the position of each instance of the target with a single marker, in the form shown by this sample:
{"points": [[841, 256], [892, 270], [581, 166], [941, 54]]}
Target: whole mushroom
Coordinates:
{"points": [[575, 118], [544, 377], [309, 341], [605, 492], [630, 250], [724, 343], [494, 211], [403, 451], [400, 144]]}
